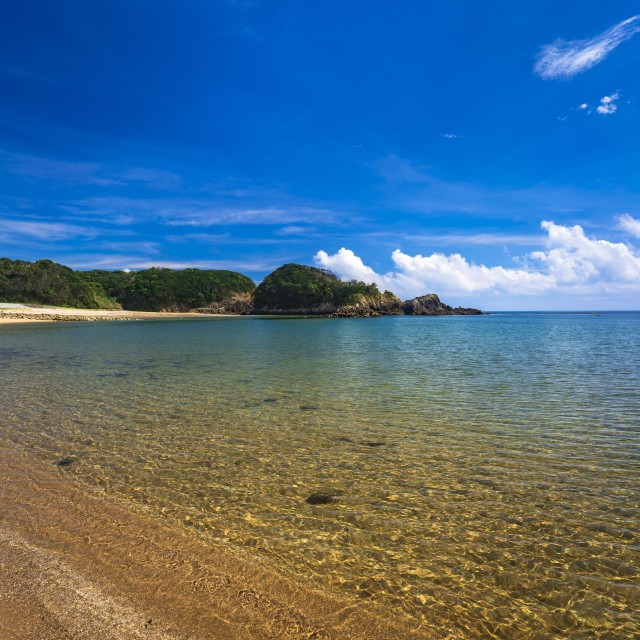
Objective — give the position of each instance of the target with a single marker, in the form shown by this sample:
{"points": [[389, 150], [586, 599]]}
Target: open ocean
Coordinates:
{"points": [[481, 474]]}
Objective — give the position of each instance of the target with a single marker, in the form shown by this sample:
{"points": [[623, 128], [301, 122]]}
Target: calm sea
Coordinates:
{"points": [[483, 473]]}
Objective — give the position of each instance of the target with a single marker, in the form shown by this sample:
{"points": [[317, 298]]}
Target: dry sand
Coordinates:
{"points": [[78, 564], [61, 314]]}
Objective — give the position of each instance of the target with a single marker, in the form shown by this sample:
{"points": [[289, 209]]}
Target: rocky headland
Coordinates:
{"points": [[430, 305], [292, 289]]}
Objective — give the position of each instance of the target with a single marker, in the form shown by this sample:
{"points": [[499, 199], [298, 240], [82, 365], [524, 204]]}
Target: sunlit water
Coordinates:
{"points": [[485, 470]]}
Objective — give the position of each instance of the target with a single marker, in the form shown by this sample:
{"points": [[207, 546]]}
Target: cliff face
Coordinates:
{"points": [[236, 304], [430, 305], [382, 304]]}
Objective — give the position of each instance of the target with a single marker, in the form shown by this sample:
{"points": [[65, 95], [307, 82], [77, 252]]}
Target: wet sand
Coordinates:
{"points": [[78, 564], [62, 314]]}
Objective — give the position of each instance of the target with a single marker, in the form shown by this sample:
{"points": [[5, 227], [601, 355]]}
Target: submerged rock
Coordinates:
{"points": [[65, 462], [308, 407], [320, 498]]}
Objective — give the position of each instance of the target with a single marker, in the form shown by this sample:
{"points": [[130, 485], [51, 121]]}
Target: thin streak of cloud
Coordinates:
{"points": [[564, 59], [134, 262], [90, 173], [188, 212], [478, 239], [264, 216], [45, 231]]}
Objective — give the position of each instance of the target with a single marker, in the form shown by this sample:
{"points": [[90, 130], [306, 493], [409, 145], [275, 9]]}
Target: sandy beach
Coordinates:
{"points": [[32, 313], [77, 564]]}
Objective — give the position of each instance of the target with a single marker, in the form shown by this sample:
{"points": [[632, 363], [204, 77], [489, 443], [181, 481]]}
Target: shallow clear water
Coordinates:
{"points": [[485, 470]]}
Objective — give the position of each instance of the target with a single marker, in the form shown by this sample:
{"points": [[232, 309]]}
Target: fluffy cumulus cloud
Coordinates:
{"points": [[629, 224], [564, 59], [571, 262]]}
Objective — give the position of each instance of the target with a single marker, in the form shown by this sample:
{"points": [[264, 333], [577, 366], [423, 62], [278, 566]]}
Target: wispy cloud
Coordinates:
{"points": [[153, 178], [566, 58], [477, 239], [296, 230], [451, 136], [415, 188], [572, 262], [139, 247], [132, 261], [90, 173], [18, 230], [629, 224], [211, 216], [193, 212]]}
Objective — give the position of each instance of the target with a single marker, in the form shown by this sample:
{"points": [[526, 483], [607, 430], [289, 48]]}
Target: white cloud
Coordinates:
{"points": [[608, 105], [571, 263], [629, 224], [451, 136], [564, 59], [45, 231], [191, 212], [134, 262], [574, 259], [584, 105], [607, 109]]}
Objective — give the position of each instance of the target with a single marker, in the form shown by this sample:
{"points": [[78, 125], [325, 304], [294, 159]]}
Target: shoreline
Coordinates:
{"points": [[76, 563], [34, 313]]}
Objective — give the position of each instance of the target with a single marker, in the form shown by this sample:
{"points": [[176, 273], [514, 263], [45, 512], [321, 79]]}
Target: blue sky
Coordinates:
{"points": [[485, 151]]}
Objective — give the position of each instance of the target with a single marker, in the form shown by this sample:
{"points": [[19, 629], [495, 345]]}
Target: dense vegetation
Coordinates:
{"points": [[157, 289], [296, 287], [46, 282]]}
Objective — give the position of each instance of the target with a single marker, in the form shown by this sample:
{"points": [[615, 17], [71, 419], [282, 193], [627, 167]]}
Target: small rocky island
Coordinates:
{"points": [[292, 289]]}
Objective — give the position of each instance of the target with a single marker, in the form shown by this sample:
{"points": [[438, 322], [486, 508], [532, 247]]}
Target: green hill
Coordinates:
{"points": [[298, 289], [50, 283]]}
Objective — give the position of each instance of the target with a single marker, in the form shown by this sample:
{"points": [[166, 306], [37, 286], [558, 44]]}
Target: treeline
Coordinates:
{"points": [[156, 289]]}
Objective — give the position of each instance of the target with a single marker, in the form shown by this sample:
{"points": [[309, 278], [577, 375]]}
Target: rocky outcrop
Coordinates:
{"points": [[384, 304], [237, 304], [295, 289], [430, 305]]}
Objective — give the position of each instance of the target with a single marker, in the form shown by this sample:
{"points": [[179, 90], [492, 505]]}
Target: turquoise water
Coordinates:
{"points": [[484, 471]]}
